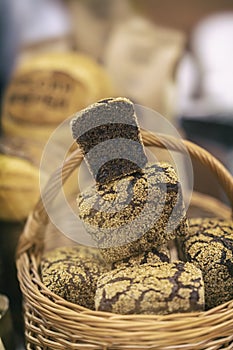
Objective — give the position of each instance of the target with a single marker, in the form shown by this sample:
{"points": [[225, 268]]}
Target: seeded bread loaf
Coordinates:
{"points": [[135, 213], [209, 245], [161, 288], [72, 273]]}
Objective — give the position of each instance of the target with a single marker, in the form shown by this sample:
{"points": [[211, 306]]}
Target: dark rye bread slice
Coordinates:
{"points": [[72, 273], [209, 245], [134, 214], [161, 288], [108, 135]]}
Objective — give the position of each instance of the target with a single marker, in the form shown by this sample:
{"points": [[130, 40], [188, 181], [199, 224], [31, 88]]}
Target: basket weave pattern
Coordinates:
{"points": [[53, 323]]}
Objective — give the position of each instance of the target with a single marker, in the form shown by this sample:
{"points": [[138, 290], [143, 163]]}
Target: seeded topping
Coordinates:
{"points": [[209, 245], [108, 135], [72, 273], [160, 288], [135, 213]]}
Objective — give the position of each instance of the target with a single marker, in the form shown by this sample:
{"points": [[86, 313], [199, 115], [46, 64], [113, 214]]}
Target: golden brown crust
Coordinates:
{"points": [[50, 87]]}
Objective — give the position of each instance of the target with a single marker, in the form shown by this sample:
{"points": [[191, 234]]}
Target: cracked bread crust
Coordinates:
{"points": [[72, 273], [161, 288], [155, 255], [134, 214], [209, 245]]}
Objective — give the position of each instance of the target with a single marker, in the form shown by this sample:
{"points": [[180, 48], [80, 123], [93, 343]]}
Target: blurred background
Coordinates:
{"points": [[174, 58], [58, 56]]}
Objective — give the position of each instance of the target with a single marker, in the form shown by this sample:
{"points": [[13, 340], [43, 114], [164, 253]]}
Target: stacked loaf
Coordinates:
{"points": [[133, 212]]}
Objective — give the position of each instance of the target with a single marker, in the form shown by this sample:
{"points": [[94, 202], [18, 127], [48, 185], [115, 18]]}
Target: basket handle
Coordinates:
{"points": [[34, 230]]}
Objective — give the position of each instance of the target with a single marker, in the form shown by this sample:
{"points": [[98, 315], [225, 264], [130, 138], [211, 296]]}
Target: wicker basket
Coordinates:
{"points": [[53, 323]]}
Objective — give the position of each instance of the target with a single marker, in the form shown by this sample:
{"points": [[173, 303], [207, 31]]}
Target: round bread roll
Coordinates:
{"points": [[209, 245], [72, 273], [160, 288], [47, 89], [133, 214], [19, 178]]}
